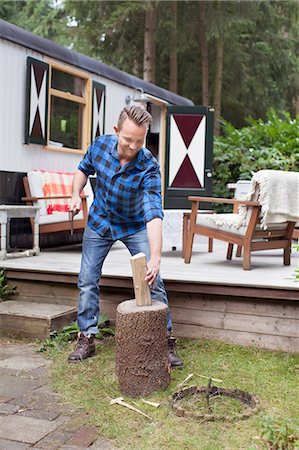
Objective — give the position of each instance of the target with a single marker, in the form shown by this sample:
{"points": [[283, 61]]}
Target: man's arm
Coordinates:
{"points": [[79, 181], [154, 232]]}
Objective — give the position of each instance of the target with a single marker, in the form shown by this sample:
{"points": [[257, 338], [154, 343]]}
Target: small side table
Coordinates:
{"points": [[176, 225], [8, 212]]}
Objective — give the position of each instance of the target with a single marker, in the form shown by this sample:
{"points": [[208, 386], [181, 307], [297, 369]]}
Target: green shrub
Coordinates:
{"points": [[296, 272], [5, 290], [271, 144], [58, 340], [279, 434]]}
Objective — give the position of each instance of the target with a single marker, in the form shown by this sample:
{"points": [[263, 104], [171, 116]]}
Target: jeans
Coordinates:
{"points": [[94, 251]]}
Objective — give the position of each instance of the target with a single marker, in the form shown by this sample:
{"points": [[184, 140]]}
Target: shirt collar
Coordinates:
{"points": [[113, 149], [140, 160]]}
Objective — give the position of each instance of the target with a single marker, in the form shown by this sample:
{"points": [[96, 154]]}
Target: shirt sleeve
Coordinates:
{"points": [[152, 199], [86, 164]]}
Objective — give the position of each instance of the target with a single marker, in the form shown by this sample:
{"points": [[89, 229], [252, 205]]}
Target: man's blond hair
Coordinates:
{"points": [[138, 115]]}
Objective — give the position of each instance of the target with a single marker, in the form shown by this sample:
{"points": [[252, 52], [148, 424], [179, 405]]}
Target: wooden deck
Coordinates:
{"points": [[210, 298]]}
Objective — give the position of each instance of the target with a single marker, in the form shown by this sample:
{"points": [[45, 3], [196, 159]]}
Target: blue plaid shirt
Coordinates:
{"points": [[127, 197]]}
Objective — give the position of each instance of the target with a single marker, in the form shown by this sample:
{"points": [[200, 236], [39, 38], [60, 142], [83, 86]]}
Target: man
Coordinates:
{"points": [[127, 207]]}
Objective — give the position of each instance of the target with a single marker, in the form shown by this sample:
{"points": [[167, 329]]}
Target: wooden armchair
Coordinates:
{"points": [[60, 221], [250, 233]]}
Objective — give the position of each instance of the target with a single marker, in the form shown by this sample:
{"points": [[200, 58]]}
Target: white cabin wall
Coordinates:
{"points": [[115, 102], [15, 156], [156, 115]]}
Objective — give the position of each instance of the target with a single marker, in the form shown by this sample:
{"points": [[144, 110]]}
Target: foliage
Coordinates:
{"points": [[10, 9], [270, 144], [296, 271], [260, 66], [279, 434], [5, 290], [109, 31], [44, 17], [58, 340]]}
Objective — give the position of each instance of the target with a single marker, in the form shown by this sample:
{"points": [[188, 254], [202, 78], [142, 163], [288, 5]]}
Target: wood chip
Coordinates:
{"points": [[154, 404], [213, 379], [119, 401], [185, 380]]}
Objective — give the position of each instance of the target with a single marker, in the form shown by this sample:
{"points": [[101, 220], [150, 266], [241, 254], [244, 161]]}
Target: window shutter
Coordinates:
{"points": [[98, 110], [36, 117]]}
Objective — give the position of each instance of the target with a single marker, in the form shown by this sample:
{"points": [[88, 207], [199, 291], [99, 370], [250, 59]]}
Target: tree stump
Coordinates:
{"points": [[141, 348]]}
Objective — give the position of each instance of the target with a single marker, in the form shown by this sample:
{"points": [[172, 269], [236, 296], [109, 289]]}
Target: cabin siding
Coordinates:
{"points": [[15, 156]]}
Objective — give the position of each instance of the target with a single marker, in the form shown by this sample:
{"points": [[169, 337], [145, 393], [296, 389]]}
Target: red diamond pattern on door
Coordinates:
{"points": [[187, 150]]}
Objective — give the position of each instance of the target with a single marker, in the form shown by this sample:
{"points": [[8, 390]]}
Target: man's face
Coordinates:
{"points": [[130, 139]]}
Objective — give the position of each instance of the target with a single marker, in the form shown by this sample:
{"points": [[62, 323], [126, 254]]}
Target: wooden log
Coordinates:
{"points": [[141, 348], [141, 288]]}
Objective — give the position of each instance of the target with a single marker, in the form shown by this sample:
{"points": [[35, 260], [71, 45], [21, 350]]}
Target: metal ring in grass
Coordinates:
{"points": [[250, 402]]}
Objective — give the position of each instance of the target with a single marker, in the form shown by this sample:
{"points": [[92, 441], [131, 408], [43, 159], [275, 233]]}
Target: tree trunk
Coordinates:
{"points": [[173, 64], [204, 53], [141, 348], [295, 103], [149, 60], [218, 85]]}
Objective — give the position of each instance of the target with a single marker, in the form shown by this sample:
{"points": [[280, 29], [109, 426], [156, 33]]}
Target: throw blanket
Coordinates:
{"points": [[278, 194], [56, 184]]}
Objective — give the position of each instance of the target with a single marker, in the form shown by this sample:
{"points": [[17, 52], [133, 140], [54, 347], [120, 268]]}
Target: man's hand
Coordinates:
{"points": [[79, 181], [154, 232], [153, 269], [75, 205]]}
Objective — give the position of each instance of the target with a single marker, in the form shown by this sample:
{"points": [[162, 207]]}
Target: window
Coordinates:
{"points": [[69, 106], [66, 123], [68, 83], [65, 108]]}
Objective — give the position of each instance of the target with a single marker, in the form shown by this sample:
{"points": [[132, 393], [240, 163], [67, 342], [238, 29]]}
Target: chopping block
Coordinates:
{"points": [[141, 339]]}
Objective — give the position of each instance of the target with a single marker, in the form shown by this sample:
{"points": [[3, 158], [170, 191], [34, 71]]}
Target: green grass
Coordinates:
{"points": [[272, 376]]}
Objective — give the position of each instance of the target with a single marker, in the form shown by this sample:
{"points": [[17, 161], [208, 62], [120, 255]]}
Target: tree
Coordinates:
{"points": [[224, 19], [204, 53], [238, 56], [173, 61], [261, 64], [109, 31], [149, 60], [45, 17], [9, 10]]}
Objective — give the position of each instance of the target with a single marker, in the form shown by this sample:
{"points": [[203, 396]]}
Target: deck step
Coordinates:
{"points": [[33, 320]]}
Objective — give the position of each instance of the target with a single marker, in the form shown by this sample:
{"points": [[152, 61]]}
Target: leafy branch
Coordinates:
{"points": [[58, 340], [5, 290]]}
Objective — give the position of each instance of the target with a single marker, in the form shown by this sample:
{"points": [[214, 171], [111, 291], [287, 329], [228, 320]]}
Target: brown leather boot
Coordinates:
{"points": [[84, 349], [173, 358]]}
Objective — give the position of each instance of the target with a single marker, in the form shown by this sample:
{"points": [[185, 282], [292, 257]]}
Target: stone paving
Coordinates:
{"points": [[30, 413]]}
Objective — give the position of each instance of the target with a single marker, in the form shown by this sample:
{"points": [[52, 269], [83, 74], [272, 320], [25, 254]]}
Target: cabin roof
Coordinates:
{"points": [[44, 46]]}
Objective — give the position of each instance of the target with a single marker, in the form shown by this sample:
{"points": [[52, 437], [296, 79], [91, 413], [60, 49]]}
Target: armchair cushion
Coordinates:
{"points": [[50, 184], [59, 217], [56, 184], [230, 223], [36, 190]]}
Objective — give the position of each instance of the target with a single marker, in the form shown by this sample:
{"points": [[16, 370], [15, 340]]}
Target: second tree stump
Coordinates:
{"points": [[141, 348]]}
